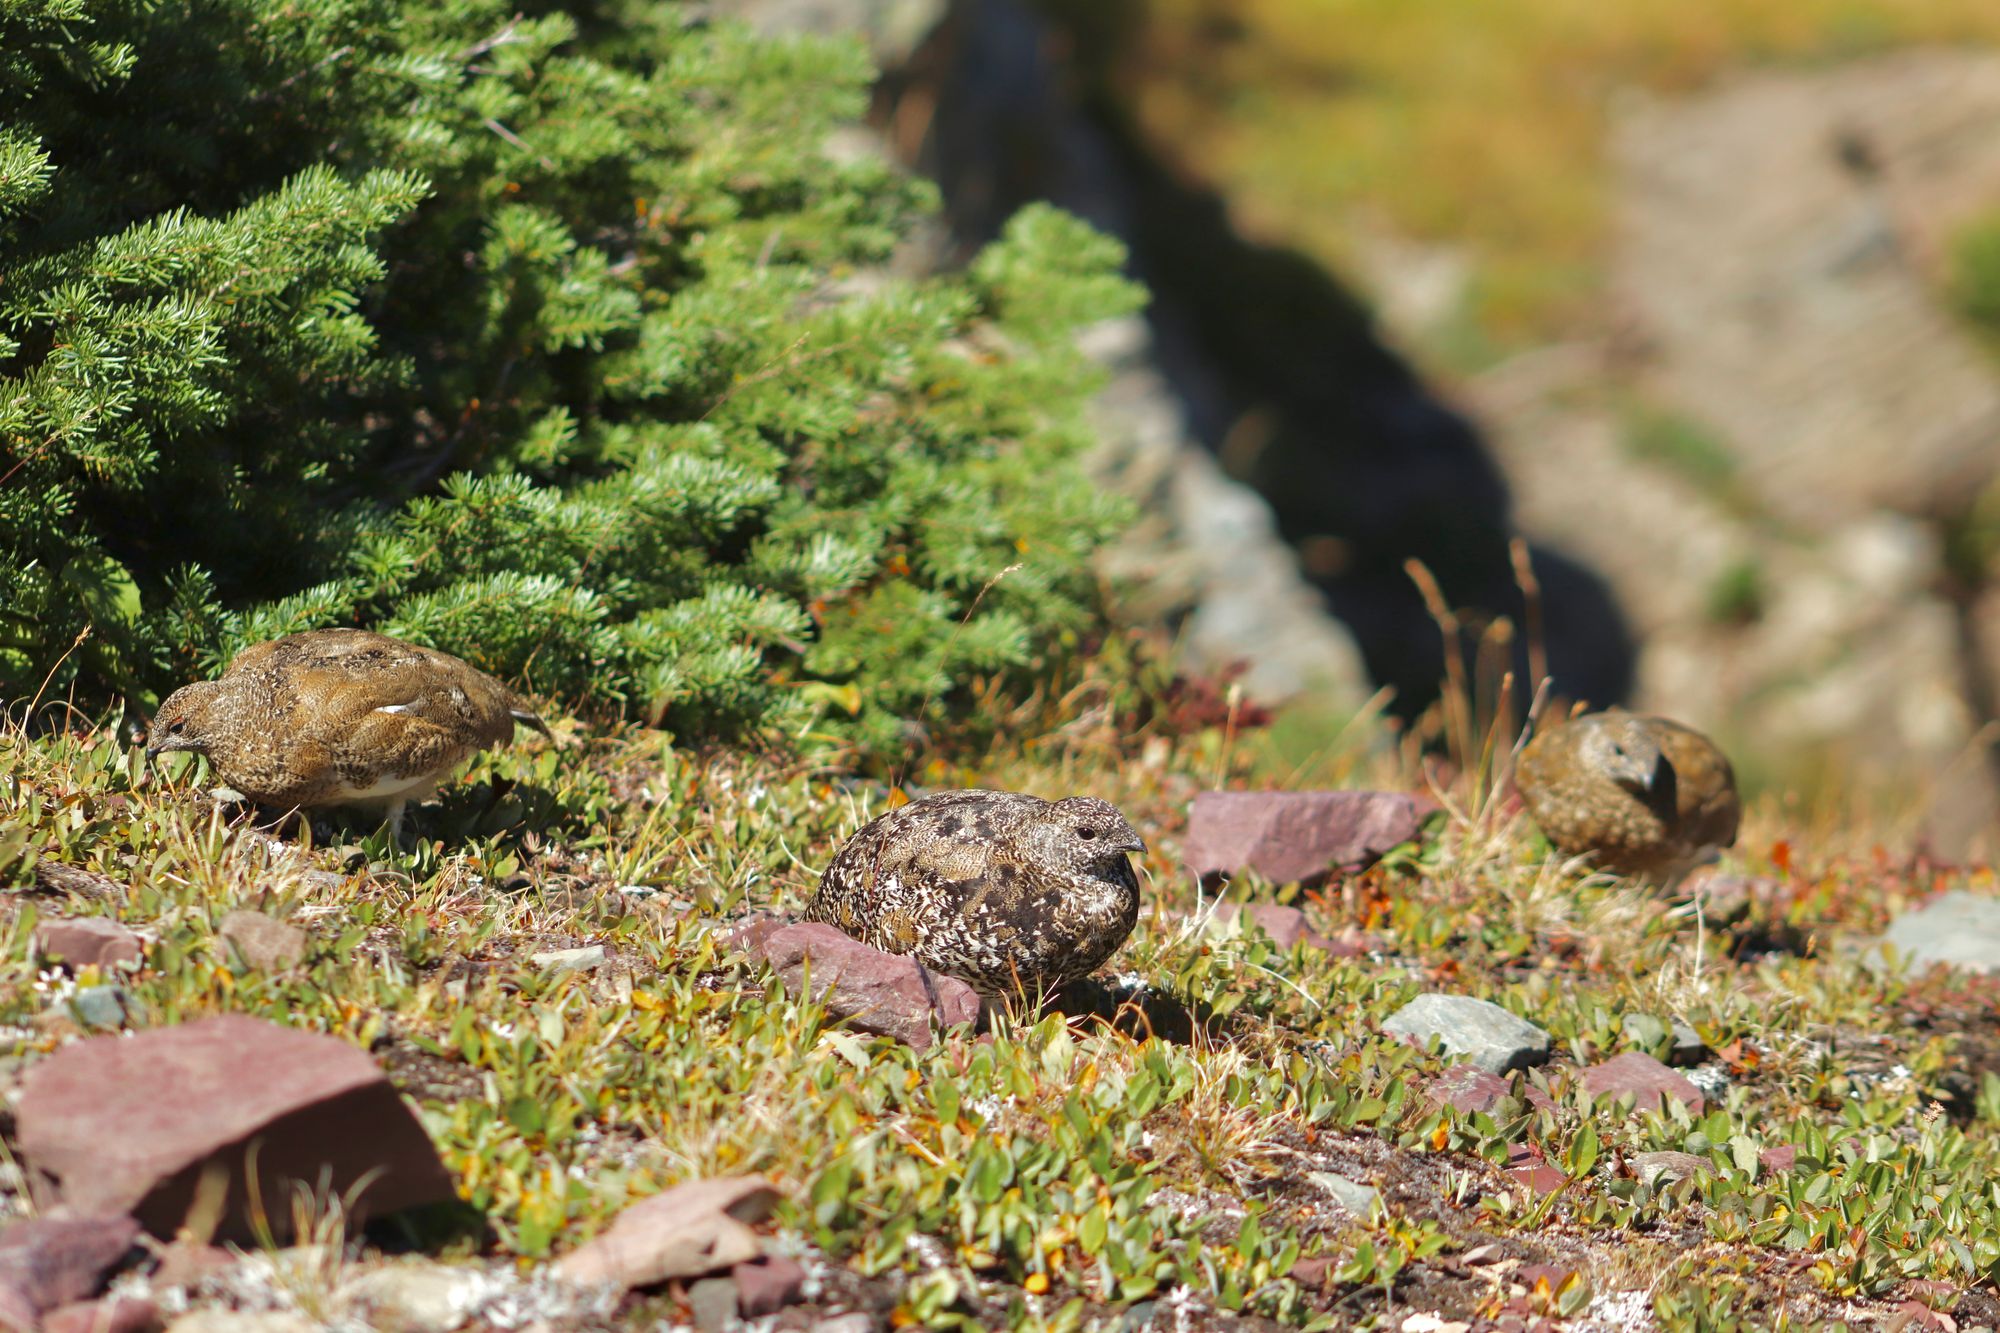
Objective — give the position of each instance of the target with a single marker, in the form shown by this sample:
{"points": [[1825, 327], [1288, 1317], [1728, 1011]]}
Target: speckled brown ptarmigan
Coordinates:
{"points": [[1643, 795], [1010, 893], [339, 717]]}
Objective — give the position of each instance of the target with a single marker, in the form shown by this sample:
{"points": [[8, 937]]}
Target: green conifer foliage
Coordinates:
{"points": [[554, 338]]}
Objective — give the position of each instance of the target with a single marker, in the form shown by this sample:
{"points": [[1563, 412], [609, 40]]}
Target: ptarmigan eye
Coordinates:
{"points": [[1086, 833], [177, 728]]}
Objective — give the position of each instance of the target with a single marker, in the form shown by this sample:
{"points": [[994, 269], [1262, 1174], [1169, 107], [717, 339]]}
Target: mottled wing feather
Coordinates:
{"points": [[950, 879], [341, 679]]}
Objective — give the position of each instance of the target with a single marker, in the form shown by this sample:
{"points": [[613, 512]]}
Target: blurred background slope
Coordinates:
{"points": [[1701, 300]]}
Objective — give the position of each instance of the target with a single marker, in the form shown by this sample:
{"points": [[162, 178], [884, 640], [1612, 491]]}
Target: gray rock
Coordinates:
{"points": [[713, 1300], [1959, 929], [99, 1006], [264, 943], [414, 1298], [1656, 1168], [559, 961], [1711, 1081], [1472, 1030], [1361, 1200]]}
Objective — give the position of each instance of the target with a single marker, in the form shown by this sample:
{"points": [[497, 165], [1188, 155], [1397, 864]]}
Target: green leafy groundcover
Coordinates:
{"points": [[558, 338]]}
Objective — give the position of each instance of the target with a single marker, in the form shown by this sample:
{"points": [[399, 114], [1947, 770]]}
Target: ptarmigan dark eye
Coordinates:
{"points": [[1086, 833], [177, 728]]}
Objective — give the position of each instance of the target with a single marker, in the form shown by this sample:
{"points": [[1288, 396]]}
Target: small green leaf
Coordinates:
{"points": [[525, 1114]]}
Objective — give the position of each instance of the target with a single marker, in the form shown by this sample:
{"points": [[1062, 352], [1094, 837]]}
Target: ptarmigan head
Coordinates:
{"points": [[1618, 746], [187, 720], [1083, 837]]}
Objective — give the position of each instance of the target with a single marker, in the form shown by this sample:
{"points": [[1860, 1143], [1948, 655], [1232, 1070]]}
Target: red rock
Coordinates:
{"points": [[49, 1262], [130, 1124], [1285, 925], [264, 943], [88, 941], [113, 1314], [1540, 1179], [751, 932], [767, 1285], [883, 993], [1530, 1274], [1649, 1082], [1780, 1159], [691, 1229], [1311, 1272], [1301, 836], [1468, 1089]]}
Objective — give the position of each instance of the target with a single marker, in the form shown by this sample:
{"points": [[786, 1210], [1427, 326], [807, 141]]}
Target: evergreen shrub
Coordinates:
{"points": [[556, 337]]}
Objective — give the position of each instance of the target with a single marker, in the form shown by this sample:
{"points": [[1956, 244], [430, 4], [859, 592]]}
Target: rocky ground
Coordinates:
{"points": [[564, 1064]]}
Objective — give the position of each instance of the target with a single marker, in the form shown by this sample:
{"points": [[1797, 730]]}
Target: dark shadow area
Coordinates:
{"points": [[1277, 366], [1137, 1010]]}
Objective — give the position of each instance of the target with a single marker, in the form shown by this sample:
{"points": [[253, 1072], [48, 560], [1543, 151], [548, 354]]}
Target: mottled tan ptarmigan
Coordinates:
{"points": [[339, 717], [1642, 795], [1010, 893]]}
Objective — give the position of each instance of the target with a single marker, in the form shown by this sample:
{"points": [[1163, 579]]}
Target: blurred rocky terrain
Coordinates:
{"points": [[1743, 479], [1770, 453]]}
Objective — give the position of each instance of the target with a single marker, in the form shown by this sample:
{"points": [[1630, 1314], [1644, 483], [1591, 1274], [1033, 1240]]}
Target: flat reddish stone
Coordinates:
{"points": [[1540, 1179], [1531, 1274], [88, 941], [883, 993], [1311, 1272], [1780, 1159], [48, 1262], [1298, 836], [751, 932], [767, 1284], [696, 1227], [1468, 1089], [113, 1314], [1285, 925], [130, 1124], [1649, 1082]]}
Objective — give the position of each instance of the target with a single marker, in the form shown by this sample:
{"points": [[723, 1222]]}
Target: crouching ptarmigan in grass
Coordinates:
{"points": [[1013, 894], [1641, 795], [339, 717]]}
